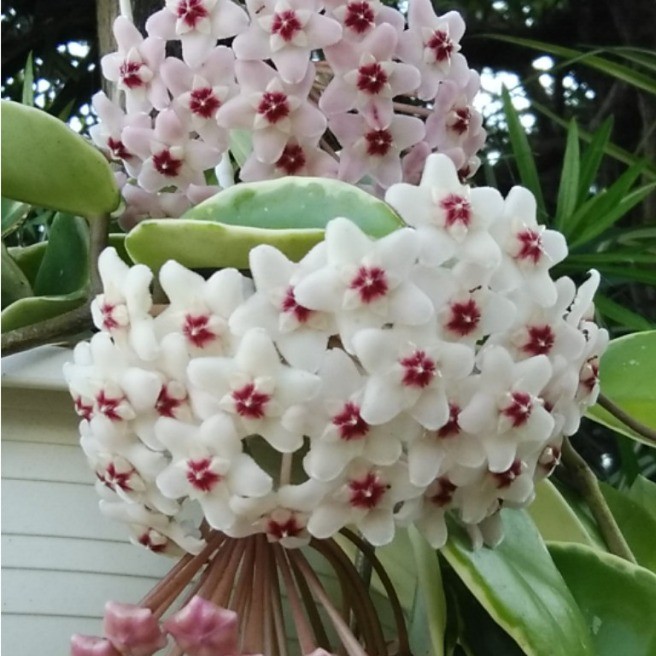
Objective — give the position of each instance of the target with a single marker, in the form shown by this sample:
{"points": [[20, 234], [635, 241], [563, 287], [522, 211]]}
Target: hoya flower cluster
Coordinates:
{"points": [[342, 88], [375, 383]]}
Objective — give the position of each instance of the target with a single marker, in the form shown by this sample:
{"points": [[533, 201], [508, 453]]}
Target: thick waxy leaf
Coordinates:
{"points": [[297, 203], [643, 492], [520, 588], [627, 378], [15, 284], [617, 599], [13, 213], [204, 244], [61, 279], [45, 163], [555, 518], [636, 524]]}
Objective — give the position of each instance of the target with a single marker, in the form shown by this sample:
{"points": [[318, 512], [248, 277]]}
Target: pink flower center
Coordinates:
{"points": [[290, 305], [371, 78], [166, 164], [85, 410], [273, 106], [250, 403], [540, 340], [441, 45], [129, 73], [109, 320], [118, 149], [191, 11], [465, 317], [370, 282], [519, 409], [379, 142], [286, 25], [166, 404], [359, 17], [366, 492], [506, 478], [530, 246], [278, 530], [108, 405], [153, 541], [349, 422], [441, 492], [459, 120], [590, 373], [292, 159], [418, 370], [200, 474], [203, 102], [195, 329], [452, 427], [457, 210]]}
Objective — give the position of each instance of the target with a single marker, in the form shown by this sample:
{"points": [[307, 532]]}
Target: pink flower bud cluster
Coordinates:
{"points": [[374, 383], [344, 88]]}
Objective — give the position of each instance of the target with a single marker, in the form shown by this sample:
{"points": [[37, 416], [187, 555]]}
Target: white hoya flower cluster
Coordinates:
{"points": [[375, 383]]}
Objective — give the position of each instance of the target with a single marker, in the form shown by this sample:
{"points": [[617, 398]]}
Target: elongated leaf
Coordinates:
{"points": [[15, 284], [625, 317], [521, 589], [528, 172], [13, 213], [568, 190], [241, 145], [617, 598], [627, 378], [593, 156], [28, 82], [431, 589], [555, 518], [45, 163], [636, 524]]}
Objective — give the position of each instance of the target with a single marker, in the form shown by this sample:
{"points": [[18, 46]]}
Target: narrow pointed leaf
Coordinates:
{"points": [[28, 82], [617, 598], [568, 190], [627, 378], [519, 586], [593, 156], [625, 317], [45, 163]]}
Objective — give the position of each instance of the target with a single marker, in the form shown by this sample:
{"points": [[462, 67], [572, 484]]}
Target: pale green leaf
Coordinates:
{"points": [[13, 214], [15, 284], [643, 492]]}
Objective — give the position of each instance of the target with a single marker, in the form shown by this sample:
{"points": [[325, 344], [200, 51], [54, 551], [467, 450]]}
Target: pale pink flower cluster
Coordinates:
{"points": [[375, 383], [342, 88]]}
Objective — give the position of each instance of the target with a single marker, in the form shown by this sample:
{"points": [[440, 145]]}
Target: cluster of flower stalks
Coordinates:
{"points": [[232, 599], [344, 89]]}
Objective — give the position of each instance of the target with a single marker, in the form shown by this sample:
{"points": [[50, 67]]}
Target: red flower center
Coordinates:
{"points": [[114, 478], [250, 403], [379, 142], [418, 370], [108, 405], [359, 17], [273, 106], [519, 409], [589, 376], [441, 492], [286, 25], [452, 427], [290, 528], [371, 78], [465, 317], [195, 329], [191, 11], [292, 159], [153, 541], [109, 321], [117, 149], [203, 102], [370, 282], [441, 45], [349, 422], [459, 121], [457, 210], [530, 246], [200, 474], [129, 74], [506, 478], [166, 164], [540, 340], [166, 404], [290, 305], [366, 492], [85, 410]]}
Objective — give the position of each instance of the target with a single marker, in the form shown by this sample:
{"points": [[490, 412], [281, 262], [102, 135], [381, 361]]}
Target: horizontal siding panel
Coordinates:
{"points": [[45, 462], [91, 556], [41, 368]]}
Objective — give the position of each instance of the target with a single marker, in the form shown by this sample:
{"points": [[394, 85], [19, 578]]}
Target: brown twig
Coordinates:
{"points": [[627, 419]]}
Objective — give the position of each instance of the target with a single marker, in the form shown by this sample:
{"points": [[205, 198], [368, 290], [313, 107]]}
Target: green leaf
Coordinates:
{"points": [[15, 284], [29, 258], [520, 587], [241, 145], [431, 589], [297, 203], [568, 190], [593, 156], [636, 524], [555, 518], [13, 214], [528, 172], [625, 317], [643, 492], [28, 82], [617, 599], [627, 378], [45, 163]]}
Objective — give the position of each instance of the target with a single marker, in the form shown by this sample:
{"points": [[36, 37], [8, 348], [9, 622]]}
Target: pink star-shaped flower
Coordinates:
{"points": [[133, 630]]}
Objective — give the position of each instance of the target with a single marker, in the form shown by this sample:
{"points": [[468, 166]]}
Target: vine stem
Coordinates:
{"points": [[626, 418], [588, 485]]}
